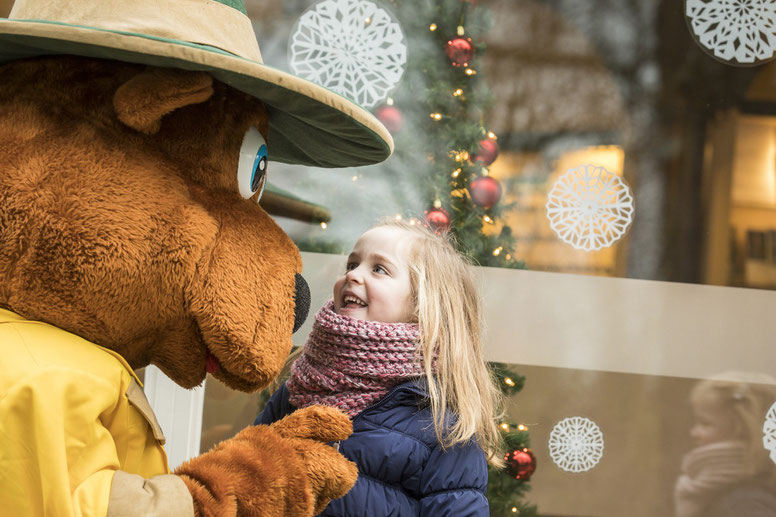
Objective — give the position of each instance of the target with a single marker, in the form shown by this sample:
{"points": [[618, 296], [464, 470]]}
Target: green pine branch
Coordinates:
{"points": [[431, 82]]}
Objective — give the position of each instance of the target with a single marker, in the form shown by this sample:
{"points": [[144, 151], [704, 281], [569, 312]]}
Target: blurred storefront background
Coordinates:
{"points": [[616, 83], [612, 341], [617, 343]]}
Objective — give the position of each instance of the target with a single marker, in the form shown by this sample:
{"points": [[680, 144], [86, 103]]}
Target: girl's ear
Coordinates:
{"points": [[142, 101]]}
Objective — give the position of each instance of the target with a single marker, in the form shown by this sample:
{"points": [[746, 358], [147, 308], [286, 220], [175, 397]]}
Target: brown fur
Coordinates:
{"points": [[297, 439], [142, 101], [323, 424], [121, 221], [140, 243]]}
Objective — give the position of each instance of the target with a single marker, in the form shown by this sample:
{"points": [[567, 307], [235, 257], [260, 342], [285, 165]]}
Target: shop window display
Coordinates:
{"points": [[612, 338]]}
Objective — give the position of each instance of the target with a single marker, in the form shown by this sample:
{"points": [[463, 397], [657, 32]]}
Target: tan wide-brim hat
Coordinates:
{"points": [[309, 124]]}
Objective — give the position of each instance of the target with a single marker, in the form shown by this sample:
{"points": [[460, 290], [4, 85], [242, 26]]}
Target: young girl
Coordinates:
{"points": [[399, 350], [729, 473]]}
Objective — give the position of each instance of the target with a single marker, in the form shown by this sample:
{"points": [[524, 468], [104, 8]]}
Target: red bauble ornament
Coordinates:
{"points": [[485, 191], [391, 117], [460, 50], [487, 151], [438, 219], [521, 463]]}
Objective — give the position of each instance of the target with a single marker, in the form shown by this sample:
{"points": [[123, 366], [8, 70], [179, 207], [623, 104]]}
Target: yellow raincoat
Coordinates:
{"points": [[72, 414]]}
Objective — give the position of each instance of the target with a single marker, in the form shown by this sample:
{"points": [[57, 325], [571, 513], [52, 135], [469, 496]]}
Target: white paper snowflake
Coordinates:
{"points": [[589, 207], [576, 444], [740, 30], [352, 47], [769, 431]]}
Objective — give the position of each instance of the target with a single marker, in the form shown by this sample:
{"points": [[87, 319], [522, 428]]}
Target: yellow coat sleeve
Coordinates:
{"points": [[57, 456], [76, 437]]}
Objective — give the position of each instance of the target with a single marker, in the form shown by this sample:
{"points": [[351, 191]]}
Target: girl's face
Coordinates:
{"points": [[712, 423], [376, 284]]}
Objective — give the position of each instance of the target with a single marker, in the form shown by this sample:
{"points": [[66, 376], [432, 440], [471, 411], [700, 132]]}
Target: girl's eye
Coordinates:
{"points": [[252, 166], [380, 269], [351, 266]]}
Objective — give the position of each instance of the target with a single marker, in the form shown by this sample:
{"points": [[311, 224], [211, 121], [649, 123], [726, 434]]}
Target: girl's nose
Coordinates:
{"points": [[354, 275]]}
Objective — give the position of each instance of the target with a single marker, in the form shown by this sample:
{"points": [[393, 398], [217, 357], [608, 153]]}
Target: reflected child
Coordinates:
{"points": [[729, 473]]}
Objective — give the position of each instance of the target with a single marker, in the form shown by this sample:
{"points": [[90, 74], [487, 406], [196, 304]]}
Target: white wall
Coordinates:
{"points": [[607, 324]]}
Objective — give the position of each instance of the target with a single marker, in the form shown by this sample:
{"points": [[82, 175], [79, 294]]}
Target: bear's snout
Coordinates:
{"points": [[302, 301]]}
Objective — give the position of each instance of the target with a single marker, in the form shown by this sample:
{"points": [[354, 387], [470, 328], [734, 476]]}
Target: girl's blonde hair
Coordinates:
{"points": [[449, 315], [745, 402]]}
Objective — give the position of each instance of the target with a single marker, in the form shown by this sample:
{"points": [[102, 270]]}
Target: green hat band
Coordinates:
{"points": [[237, 4]]}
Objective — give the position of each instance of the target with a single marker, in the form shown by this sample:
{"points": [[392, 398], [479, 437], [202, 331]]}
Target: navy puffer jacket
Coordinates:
{"points": [[402, 470]]}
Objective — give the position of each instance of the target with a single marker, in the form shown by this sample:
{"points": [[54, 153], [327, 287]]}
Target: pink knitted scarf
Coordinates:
{"points": [[350, 364]]}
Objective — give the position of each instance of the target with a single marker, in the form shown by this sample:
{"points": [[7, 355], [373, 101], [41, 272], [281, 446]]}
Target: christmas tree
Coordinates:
{"points": [[443, 97], [507, 486], [438, 175], [443, 144]]}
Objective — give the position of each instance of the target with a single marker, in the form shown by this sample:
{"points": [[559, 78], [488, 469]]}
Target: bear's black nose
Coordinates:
{"points": [[302, 300]]}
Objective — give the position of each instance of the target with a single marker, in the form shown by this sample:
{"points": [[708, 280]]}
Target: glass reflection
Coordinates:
{"points": [[647, 445], [728, 472], [606, 83]]}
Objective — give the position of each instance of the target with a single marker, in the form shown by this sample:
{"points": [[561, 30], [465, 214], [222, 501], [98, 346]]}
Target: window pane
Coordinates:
{"points": [[636, 169]]}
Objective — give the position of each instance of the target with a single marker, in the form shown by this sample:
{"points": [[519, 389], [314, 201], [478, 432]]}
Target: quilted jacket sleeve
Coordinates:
{"points": [[454, 483]]}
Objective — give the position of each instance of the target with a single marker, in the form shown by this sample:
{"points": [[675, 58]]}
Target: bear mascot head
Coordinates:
{"points": [[134, 146]]}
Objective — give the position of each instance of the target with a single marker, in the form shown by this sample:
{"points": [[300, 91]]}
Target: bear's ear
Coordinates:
{"points": [[142, 101]]}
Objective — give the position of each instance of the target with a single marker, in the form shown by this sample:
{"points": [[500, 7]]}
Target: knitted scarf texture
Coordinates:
{"points": [[350, 364]]}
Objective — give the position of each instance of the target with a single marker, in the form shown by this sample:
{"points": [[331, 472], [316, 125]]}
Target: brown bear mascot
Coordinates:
{"points": [[134, 140]]}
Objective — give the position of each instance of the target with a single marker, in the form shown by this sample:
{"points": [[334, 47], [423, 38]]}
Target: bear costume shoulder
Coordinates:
{"points": [[134, 140]]}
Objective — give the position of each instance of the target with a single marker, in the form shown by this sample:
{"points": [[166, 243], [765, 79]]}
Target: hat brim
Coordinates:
{"points": [[309, 124]]}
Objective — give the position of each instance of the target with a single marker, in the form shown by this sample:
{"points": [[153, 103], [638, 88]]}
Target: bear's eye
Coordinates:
{"points": [[252, 167]]}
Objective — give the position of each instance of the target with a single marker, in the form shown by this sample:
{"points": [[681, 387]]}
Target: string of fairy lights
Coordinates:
{"points": [[458, 189], [460, 50], [519, 458], [505, 426], [483, 191]]}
